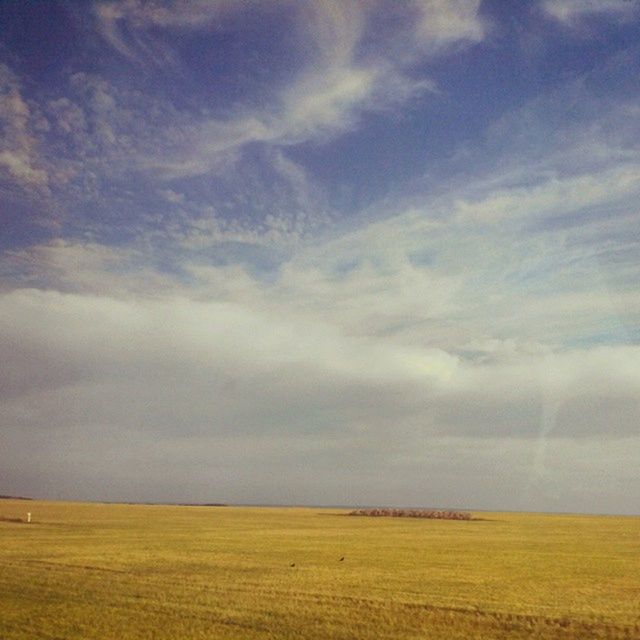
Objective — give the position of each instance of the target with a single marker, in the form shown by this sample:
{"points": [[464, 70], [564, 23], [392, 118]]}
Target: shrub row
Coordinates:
{"points": [[413, 513]]}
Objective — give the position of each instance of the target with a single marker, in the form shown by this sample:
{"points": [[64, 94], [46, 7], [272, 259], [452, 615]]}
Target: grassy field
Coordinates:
{"points": [[133, 572]]}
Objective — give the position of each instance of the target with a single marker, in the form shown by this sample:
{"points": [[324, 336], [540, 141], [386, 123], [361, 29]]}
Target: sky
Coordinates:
{"points": [[350, 252]]}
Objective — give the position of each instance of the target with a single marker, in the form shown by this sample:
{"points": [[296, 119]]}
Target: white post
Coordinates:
{"points": [[29, 516]]}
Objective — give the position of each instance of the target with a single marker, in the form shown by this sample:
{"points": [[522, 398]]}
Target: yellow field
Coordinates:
{"points": [[124, 572]]}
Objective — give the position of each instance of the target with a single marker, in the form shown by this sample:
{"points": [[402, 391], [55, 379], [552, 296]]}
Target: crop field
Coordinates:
{"points": [[133, 571]]}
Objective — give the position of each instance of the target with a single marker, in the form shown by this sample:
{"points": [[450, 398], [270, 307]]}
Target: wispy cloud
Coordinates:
{"points": [[128, 25], [571, 11], [18, 150], [335, 86]]}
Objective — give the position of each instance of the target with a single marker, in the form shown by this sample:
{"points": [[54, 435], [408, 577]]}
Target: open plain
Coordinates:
{"points": [[103, 571]]}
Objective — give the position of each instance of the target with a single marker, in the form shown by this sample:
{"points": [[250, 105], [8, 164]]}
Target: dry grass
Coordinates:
{"points": [[89, 571]]}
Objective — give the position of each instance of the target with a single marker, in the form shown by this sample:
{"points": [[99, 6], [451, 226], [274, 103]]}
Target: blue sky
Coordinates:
{"points": [[321, 252]]}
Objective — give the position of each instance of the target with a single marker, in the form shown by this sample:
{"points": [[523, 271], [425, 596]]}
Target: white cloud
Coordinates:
{"points": [[172, 196], [20, 167], [326, 102], [555, 196], [570, 11], [446, 23], [188, 14], [83, 267], [327, 96], [126, 24], [18, 146]]}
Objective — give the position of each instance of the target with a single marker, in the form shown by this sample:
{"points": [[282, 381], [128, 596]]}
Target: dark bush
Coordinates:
{"points": [[433, 514]]}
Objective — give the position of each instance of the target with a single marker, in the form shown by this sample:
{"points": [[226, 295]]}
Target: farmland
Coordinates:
{"points": [[143, 571]]}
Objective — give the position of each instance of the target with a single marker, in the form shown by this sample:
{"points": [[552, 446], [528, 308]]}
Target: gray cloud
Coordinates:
{"points": [[177, 369]]}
